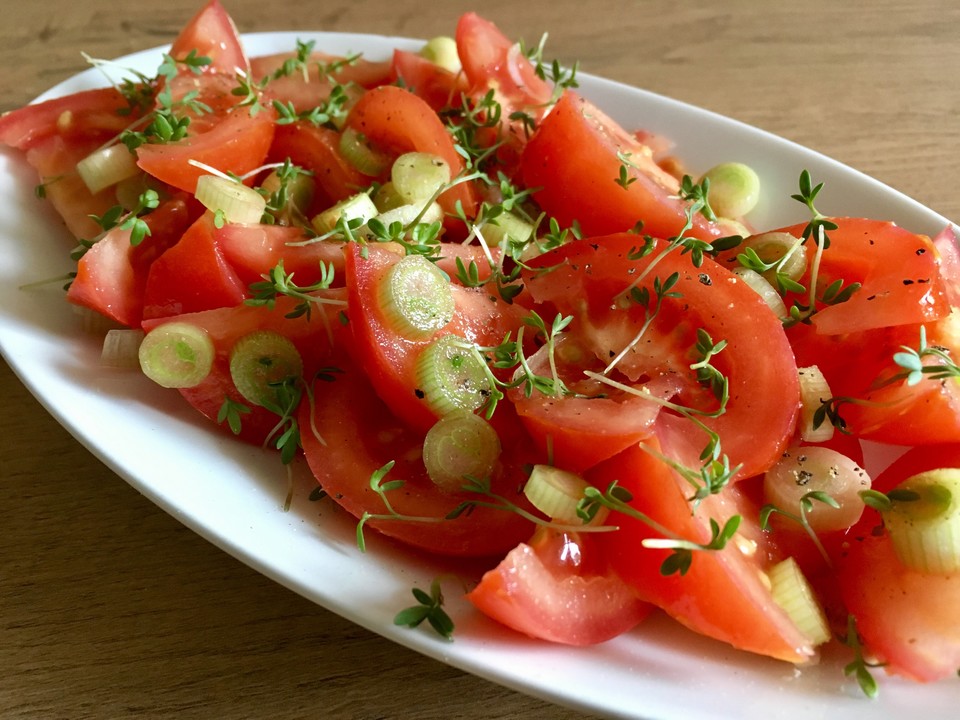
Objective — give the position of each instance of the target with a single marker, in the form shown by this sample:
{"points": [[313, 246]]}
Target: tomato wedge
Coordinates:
{"points": [[722, 595], [553, 588], [590, 279], [212, 34], [574, 159]]}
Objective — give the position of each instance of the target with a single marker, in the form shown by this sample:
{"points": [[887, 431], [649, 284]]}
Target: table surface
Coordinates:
{"points": [[111, 608]]}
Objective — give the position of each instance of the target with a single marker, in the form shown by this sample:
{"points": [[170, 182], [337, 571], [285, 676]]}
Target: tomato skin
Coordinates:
{"points": [[237, 144], [211, 33], [314, 338], [389, 359], [899, 272], [572, 159], [112, 275], [694, 599], [361, 435], [543, 590], [317, 149], [910, 620], [254, 250], [587, 275], [192, 275], [439, 87], [398, 121]]}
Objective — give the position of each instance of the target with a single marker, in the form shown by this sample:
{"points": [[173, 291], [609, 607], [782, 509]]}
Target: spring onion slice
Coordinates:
{"points": [[359, 153], [442, 51], [177, 355], [734, 189], [459, 446], [416, 297], [238, 203], [814, 391], [259, 361], [452, 376], [358, 206], [121, 348], [759, 284], [773, 247], [107, 166], [417, 176], [556, 493], [924, 521], [793, 593]]}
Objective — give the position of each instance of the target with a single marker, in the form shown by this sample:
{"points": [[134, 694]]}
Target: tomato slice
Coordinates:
{"points": [[398, 121], [112, 275], [553, 588], [314, 338], [211, 33], [389, 359], [909, 620], [439, 87], [899, 272], [192, 275], [360, 435], [588, 278], [573, 159], [254, 250], [317, 149], [722, 595]]}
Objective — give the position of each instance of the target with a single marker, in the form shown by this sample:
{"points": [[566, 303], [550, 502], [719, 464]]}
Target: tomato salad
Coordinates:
{"points": [[498, 325]]}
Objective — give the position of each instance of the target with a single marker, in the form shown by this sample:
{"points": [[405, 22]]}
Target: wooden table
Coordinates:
{"points": [[111, 608]]}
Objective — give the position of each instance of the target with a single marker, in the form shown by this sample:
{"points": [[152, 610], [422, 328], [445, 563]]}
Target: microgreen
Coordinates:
{"points": [[231, 412], [278, 282], [806, 506], [860, 667], [429, 607]]}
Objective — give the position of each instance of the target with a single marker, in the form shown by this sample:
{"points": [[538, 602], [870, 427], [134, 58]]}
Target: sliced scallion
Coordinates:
{"points": [[452, 376], [238, 203], [107, 166], [556, 493], [460, 445], [417, 176], [177, 355], [259, 361], [416, 297], [121, 348], [793, 594], [814, 391], [358, 206], [359, 153], [734, 189], [924, 521]]}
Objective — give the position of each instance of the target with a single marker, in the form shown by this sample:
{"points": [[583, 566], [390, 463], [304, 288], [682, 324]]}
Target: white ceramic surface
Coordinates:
{"points": [[232, 494]]}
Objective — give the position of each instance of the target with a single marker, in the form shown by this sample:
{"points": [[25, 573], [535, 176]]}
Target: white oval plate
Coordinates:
{"points": [[232, 494]]}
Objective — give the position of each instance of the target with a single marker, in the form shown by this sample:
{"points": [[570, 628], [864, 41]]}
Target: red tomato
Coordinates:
{"points": [[192, 276], [317, 149], [572, 159], [491, 60], [439, 87], [84, 116], [112, 275], [254, 250], [723, 594], [553, 588], [360, 435], [908, 619], [236, 142], [588, 277], [899, 272], [398, 121], [578, 432], [948, 250], [313, 338], [310, 90], [212, 34], [390, 359]]}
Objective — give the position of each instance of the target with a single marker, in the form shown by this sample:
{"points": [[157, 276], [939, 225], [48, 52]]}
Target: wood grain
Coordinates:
{"points": [[110, 608]]}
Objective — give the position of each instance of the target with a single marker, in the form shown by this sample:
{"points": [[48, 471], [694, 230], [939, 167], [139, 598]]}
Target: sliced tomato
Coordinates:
{"points": [[723, 594], [907, 619], [899, 272], [254, 250], [361, 435], [313, 336], [397, 121], [236, 142], [554, 588], [192, 275], [112, 275], [580, 430], [440, 88], [388, 358], [317, 149], [310, 86], [589, 279], [947, 245], [574, 159], [212, 34]]}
